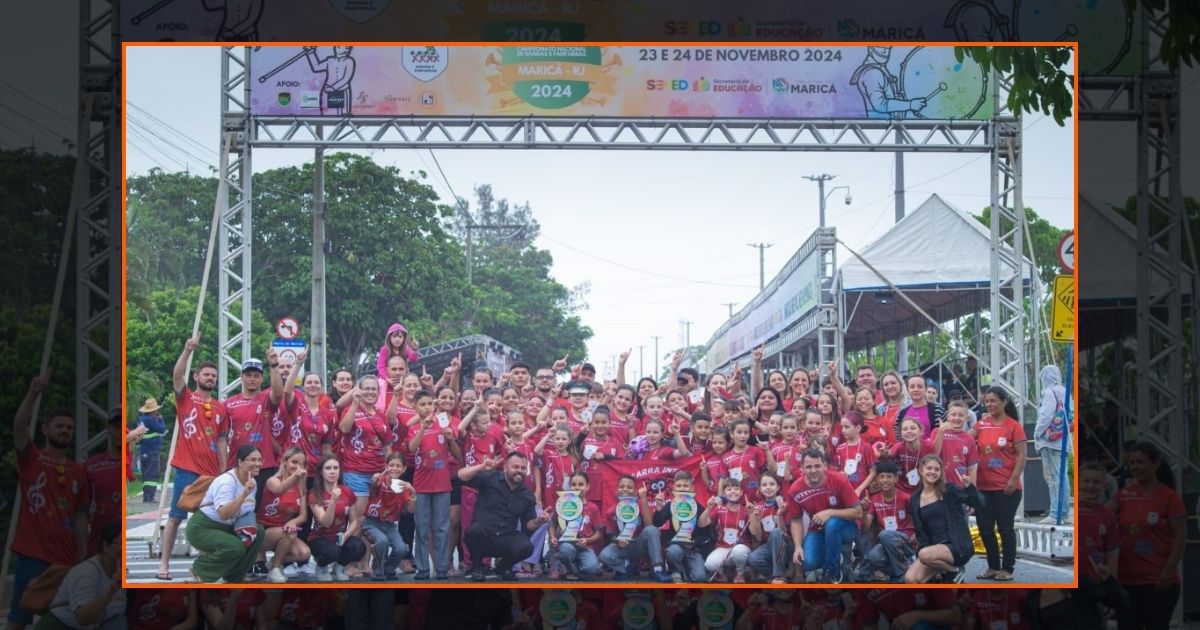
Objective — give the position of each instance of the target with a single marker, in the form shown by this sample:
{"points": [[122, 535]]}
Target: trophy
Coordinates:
{"points": [[684, 512], [628, 517], [569, 508]]}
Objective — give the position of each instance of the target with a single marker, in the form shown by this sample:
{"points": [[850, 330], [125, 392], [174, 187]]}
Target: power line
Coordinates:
{"points": [[37, 102], [649, 273], [173, 129], [56, 134], [444, 178], [146, 128]]}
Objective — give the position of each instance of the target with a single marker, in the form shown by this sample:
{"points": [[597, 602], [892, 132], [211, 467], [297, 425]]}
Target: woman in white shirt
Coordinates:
{"points": [[224, 527], [90, 595]]}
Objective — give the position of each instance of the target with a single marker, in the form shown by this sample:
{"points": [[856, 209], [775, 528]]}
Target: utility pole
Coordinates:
{"points": [[821, 179], [761, 250], [687, 335], [656, 368], [731, 305], [641, 364], [902, 343], [476, 226], [317, 355]]}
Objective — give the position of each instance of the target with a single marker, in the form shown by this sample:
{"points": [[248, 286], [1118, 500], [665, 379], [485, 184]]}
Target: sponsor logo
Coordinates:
{"points": [[425, 63], [310, 100], [784, 86], [428, 99], [849, 28]]}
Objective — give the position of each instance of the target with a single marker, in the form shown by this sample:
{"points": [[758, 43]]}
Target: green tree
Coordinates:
{"points": [[1038, 80], [36, 189], [512, 297]]}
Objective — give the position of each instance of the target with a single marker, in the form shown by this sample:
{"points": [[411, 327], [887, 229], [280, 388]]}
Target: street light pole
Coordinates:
{"points": [[656, 368], [641, 363], [821, 179], [761, 266]]}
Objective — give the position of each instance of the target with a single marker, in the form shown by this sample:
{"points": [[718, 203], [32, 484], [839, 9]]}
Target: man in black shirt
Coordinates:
{"points": [[503, 501]]}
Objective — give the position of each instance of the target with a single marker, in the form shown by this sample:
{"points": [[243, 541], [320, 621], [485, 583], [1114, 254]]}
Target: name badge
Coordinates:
{"points": [[589, 451], [999, 624], [730, 536], [1002, 442], [889, 523], [768, 524], [1152, 518], [780, 468], [913, 478], [735, 474], [851, 467]]}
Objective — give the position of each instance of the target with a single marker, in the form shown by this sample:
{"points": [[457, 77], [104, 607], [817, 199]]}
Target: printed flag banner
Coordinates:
{"points": [[652, 475]]}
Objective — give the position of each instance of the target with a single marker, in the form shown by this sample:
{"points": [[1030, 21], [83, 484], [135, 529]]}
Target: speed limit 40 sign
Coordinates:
{"points": [[1066, 252]]}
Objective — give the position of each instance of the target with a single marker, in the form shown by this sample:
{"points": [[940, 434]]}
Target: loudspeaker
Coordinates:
{"points": [[1036, 494]]}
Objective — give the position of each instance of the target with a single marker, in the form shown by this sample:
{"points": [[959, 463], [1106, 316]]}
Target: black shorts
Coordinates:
{"points": [[455, 491]]}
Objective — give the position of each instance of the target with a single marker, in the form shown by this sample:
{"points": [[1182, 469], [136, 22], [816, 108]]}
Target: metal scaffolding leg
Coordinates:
{"points": [[236, 234], [1007, 350], [98, 229]]}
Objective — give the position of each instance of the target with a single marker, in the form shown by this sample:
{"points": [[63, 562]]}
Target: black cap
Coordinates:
{"points": [[589, 367]]}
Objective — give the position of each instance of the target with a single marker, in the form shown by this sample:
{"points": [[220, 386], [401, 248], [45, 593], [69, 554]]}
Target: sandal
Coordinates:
{"points": [[778, 580], [990, 574], [166, 577], [1003, 576]]}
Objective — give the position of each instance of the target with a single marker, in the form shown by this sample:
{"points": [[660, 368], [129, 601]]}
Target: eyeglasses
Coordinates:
{"points": [[544, 377]]}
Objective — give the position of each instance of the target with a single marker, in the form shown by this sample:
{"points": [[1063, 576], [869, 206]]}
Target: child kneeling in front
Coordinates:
{"points": [[685, 558], [731, 517], [578, 556], [634, 540]]}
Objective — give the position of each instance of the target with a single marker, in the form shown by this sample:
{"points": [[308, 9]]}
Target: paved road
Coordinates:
{"points": [[140, 524]]}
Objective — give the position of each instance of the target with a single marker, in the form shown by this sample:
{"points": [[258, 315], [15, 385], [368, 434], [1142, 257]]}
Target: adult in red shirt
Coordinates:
{"points": [[828, 499], [105, 482], [202, 440], [336, 521], [364, 438], [1153, 535], [52, 526], [1002, 453], [311, 422], [251, 415]]}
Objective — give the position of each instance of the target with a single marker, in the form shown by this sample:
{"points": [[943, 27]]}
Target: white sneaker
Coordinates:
{"points": [[340, 573], [325, 574], [276, 576], [290, 571], [309, 570], [1049, 520]]}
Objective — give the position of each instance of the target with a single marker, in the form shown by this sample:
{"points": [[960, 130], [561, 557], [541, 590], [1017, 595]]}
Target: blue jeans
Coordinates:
{"points": [[433, 517], [892, 555], [772, 558], [1051, 467], [150, 473], [687, 562], [538, 540], [183, 479], [387, 538], [823, 549], [579, 559], [646, 544], [27, 568]]}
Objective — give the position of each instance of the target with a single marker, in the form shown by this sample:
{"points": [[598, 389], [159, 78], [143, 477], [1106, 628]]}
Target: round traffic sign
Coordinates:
{"points": [[1066, 252], [287, 328]]}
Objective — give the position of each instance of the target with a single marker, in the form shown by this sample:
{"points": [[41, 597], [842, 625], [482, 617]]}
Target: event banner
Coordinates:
{"points": [[1109, 29], [799, 82], [654, 476]]}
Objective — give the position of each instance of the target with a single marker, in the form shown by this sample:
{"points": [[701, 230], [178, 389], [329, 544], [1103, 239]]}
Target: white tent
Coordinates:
{"points": [[938, 256]]}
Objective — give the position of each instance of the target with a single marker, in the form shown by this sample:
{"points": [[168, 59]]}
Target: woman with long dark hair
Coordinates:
{"points": [[943, 536], [224, 527], [1001, 443], [1153, 535]]}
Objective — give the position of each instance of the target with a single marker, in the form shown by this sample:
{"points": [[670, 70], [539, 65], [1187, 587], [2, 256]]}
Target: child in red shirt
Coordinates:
{"points": [[433, 444], [730, 519], [579, 556]]}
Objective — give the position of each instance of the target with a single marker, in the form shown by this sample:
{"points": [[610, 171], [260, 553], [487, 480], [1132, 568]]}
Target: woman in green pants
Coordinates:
{"points": [[224, 527]]}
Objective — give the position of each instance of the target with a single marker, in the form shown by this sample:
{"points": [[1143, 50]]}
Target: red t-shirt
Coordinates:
{"points": [[307, 607], [401, 432], [892, 514], [893, 602], [729, 523], [836, 493], [361, 450], [786, 456], [160, 609], [998, 444], [51, 494], [556, 471], [384, 503], [277, 509], [745, 467], [247, 605], [1005, 613], [432, 473], [477, 448], [250, 422], [959, 453], [875, 431], [715, 466], [854, 461], [591, 522], [106, 485], [910, 478], [620, 427], [1098, 533], [773, 514], [610, 446], [658, 453], [341, 512], [201, 423], [1145, 520], [311, 429]]}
